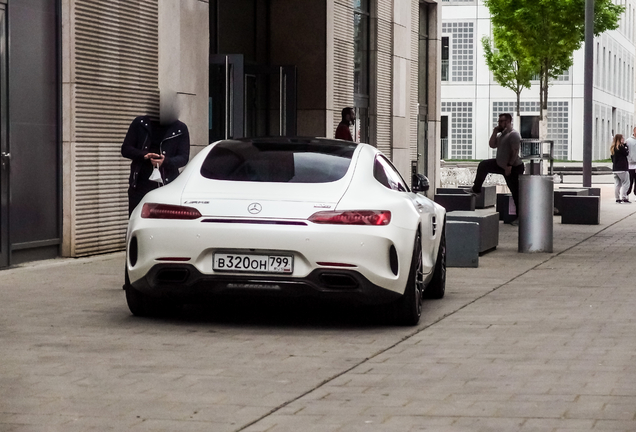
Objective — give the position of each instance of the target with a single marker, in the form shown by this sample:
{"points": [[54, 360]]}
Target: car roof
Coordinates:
{"points": [[298, 140]]}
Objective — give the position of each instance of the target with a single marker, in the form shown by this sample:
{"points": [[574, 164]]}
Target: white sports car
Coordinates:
{"points": [[288, 216]]}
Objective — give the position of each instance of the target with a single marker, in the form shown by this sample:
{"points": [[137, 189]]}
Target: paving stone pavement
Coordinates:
{"points": [[525, 342]]}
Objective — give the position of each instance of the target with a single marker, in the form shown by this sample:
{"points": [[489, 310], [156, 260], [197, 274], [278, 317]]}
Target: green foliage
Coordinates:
{"points": [[508, 70], [547, 32]]}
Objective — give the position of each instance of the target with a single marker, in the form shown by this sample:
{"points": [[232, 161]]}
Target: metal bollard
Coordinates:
{"points": [[536, 196]]}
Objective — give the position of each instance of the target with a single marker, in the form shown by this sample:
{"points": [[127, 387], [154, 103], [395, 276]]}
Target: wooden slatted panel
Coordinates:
{"points": [[415, 21], [115, 72], [343, 58], [384, 77]]}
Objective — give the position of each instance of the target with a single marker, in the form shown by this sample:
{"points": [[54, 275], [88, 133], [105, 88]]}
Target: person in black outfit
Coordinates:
{"points": [[149, 143], [620, 168]]}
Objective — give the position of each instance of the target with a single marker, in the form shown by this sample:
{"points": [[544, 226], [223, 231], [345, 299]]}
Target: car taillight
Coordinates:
{"points": [[167, 211], [352, 217]]}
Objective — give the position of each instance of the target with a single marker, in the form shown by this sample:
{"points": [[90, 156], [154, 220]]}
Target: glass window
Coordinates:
{"points": [[361, 46], [387, 175], [278, 161], [445, 51], [361, 68]]}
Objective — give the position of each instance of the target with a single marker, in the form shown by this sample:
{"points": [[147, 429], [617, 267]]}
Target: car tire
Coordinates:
{"points": [[137, 301], [143, 305], [408, 309], [436, 288]]}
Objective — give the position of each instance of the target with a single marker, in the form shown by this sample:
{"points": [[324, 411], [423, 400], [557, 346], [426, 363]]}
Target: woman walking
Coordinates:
{"points": [[620, 167]]}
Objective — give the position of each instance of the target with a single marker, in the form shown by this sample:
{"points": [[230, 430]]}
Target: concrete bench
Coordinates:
{"points": [[462, 244], [506, 207], [488, 226], [487, 197], [560, 193], [581, 209], [591, 191], [452, 202]]}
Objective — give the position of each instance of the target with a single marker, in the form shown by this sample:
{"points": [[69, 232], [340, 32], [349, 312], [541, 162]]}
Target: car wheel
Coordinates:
{"points": [[143, 305], [137, 301], [436, 288], [408, 309]]}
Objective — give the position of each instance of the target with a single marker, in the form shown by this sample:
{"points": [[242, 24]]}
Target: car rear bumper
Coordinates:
{"points": [[185, 282]]}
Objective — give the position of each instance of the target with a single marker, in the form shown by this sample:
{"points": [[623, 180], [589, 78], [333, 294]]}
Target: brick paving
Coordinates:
{"points": [[525, 342]]}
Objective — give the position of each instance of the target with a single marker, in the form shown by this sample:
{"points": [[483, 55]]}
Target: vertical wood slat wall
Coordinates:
{"points": [[381, 73], [343, 59], [114, 79]]}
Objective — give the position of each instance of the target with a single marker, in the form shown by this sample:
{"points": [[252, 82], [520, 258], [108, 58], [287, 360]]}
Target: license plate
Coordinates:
{"points": [[253, 263]]}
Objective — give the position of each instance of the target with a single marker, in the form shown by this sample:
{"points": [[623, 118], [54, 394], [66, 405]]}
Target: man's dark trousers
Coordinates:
{"points": [[632, 181], [488, 166]]}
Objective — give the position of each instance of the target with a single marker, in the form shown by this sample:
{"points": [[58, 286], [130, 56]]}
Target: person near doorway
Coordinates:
{"points": [[343, 130], [631, 159], [507, 141], [150, 144], [620, 168]]}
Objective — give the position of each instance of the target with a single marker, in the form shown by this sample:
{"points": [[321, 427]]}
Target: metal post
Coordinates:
{"points": [[536, 196], [227, 97], [282, 101], [588, 93]]}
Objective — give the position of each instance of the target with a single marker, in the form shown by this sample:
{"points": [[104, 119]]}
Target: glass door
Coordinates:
{"points": [[226, 97], [5, 154], [250, 100]]}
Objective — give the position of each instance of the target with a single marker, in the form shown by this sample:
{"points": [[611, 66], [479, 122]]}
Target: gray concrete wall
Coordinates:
{"points": [[434, 151], [405, 89], [298, 37], [183, 62]]}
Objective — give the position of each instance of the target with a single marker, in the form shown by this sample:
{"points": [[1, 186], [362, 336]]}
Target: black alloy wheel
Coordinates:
{"points": [[137, 302], [436, 288], [408, 309], [143, 305]]}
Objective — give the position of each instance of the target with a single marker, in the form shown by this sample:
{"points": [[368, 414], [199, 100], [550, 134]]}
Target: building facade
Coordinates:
{"points": [[70, 88], [472, 100], [30, 119]]}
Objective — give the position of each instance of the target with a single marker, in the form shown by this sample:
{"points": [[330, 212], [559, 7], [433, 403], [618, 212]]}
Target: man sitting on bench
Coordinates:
{"points": [[507, 141]]}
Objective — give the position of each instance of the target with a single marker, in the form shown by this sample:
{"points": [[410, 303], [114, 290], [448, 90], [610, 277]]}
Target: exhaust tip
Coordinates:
{"points": [[172, 275], [338, 281]]}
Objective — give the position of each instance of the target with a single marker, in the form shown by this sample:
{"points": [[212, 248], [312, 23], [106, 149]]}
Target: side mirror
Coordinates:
{"points": [[419, 183]]}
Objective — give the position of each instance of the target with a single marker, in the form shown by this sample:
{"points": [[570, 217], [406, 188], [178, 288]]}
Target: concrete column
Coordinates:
{"points": [[434, 97], [183, 62], [403, 88], [302, 35], [68, 186]]}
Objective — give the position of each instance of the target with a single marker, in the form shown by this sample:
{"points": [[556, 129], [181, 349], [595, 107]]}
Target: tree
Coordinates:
{"points": [[547, 32], [508, 71]]}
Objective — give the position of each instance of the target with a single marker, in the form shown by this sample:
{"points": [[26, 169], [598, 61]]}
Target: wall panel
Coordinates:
{"points": [[114, 77], [343, 59], [384, 76]]}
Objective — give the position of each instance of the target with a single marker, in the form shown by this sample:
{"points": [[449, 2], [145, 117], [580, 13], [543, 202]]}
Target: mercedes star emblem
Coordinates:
{"points": [[254, 208]]}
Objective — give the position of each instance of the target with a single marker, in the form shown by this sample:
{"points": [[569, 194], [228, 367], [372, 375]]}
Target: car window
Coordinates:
{"points": [[278, 162], [387, 175]]}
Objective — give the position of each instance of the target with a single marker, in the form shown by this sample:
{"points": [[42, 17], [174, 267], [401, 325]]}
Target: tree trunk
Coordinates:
{"points": [[517, 123], [543, 101]]}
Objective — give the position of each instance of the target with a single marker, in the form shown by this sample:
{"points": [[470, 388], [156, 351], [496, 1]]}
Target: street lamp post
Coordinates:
{"points": [[588, 93]]}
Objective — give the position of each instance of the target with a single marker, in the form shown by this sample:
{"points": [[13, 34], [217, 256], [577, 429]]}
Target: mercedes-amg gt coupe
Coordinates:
{"points": [[311, 217]]}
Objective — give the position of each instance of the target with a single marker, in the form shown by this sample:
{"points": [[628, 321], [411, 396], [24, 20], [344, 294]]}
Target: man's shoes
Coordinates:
{"points": [[626, 201], [470, 191], [515, 222], [618, 201]]}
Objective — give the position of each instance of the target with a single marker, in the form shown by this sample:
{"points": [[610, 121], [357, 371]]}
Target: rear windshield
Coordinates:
{"points": [[277, 162]]}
